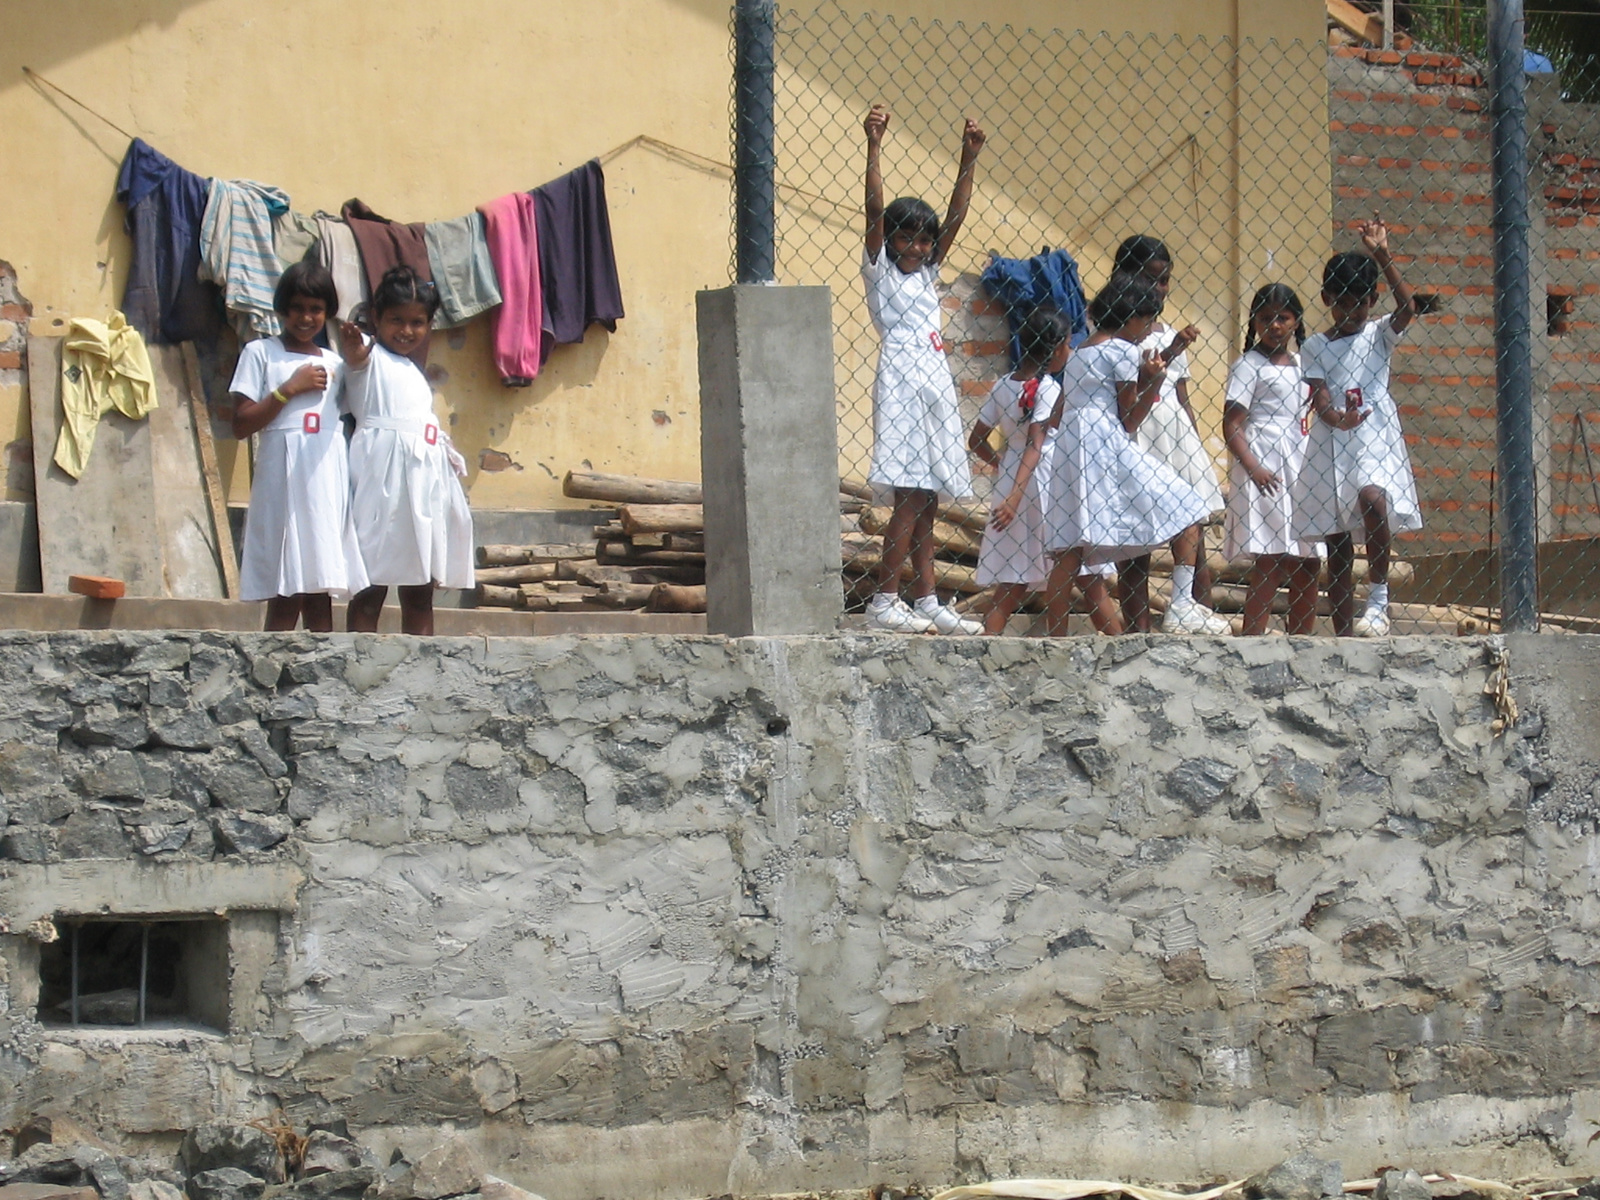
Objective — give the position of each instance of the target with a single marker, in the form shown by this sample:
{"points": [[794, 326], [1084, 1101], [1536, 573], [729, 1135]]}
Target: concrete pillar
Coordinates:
{"points": [[769, 460]]}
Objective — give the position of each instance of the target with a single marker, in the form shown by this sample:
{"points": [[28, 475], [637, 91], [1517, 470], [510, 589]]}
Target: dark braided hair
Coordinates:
{"points": [[1275, 295], [402, 285], [1123, 298]]}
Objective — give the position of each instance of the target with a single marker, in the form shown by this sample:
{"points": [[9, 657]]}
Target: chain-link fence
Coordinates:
{"points": [[1251, 164]]}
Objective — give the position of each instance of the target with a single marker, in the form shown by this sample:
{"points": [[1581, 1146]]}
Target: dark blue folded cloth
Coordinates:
{"points": [[165, 299], [1022, 284]]}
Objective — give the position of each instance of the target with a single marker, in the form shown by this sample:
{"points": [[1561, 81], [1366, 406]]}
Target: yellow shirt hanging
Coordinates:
{"points": [[104, 365]]}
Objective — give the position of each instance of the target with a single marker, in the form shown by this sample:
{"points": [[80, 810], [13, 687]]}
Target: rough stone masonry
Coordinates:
{"points": [[654, 917]]}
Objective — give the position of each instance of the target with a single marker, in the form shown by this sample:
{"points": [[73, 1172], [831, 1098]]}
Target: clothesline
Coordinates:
{"points": [[99, 116]]}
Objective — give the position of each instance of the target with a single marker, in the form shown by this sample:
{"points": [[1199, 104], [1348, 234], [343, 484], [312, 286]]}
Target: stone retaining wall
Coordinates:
{"points": [[664, 916]]}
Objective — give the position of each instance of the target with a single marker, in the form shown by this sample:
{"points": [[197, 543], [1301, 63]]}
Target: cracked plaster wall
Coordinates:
{"points": [[660, 916]]}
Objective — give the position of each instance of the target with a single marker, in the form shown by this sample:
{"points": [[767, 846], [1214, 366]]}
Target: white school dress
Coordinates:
{"points": [[411, 516], [298, 535], [917, 434], [1275, 399], [1340, 462], [1169, 434], [1018, 553], [1107, 495]]}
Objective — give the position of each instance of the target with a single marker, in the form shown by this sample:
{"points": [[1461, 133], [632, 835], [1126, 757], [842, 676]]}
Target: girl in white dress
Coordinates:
{"points": [[1015, 556], [1171, 432], [411, 516], [1109, 499], [299, 544], [917, 451], [1357, 476], [1264, 422]]}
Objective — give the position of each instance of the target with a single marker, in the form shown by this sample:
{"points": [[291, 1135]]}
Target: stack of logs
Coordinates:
{"points": [[958, 535], [651, 557]]}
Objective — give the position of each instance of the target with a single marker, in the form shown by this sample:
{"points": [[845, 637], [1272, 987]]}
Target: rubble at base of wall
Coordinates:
{"points": [[675, 916]]}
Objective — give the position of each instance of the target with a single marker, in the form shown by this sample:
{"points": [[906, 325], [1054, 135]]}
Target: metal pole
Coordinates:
{"points": [[1388, 24], [1513, 331], [75, 973], [754, 194], [144, 967]]}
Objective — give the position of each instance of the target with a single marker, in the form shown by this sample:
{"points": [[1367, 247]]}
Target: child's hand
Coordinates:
{"points": [[972, 138], [1006, 513], [351, 342], [1152, 369], [1265, 480], [877, 121], [1181, 341], [312, 377], [1374, 235]]}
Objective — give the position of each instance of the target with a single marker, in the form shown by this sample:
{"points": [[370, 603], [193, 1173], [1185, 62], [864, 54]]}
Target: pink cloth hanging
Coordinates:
{"points": [[514, 249]]}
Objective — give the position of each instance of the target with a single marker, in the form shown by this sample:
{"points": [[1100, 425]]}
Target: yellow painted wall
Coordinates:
{"points": [[424, 110]]}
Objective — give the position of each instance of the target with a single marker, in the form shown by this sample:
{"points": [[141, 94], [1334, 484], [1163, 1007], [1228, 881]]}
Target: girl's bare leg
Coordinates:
{"points": [[416, 609], [1302, 583], [1264, 579], [899, 537], [1008, 597], [1103, 612], [922, 546], [283, 614], [1058, 591], [1374, 502], [1133, 589], [365, 607], [1341, 581], [318, 610]]}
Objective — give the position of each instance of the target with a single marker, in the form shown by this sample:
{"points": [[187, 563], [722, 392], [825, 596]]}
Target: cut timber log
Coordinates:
{"points": [[694, 543], [510, 576], [947, 537], [670, 597], [662, 518], [953, 577], [490, 596], [516, 556], [974, 517], [625, 595], [628, 489], [613, 555]]}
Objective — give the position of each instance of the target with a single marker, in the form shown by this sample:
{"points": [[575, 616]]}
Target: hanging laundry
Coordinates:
{"points": [[104, 366], [385, 243], [458, 252], [165, 299], [1024, 284], [513, 237], [578, 264], [336, 250], [238, 252], [294, 237]]}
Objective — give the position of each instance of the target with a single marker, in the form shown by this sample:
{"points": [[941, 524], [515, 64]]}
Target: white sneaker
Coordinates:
{"points": [[1372, 623], [948, 621], [897, 617], [1194, 618]]}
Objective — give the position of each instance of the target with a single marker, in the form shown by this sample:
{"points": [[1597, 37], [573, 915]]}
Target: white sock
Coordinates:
{"points": [[1182, 585], [882, 600], [1378, 596], [928, 603]]}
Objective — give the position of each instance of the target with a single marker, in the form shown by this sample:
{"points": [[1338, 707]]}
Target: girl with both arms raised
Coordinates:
{"points": [[300, 550], [1357, 476], [411, 518], [917, 447]]}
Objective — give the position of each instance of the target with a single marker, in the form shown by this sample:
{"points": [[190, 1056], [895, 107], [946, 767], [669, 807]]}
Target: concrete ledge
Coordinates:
{"points": [[33, 611], [129, 888]]}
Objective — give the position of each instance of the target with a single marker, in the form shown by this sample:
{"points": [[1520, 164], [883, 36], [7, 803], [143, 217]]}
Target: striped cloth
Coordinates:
{"points": [[237, 250]]}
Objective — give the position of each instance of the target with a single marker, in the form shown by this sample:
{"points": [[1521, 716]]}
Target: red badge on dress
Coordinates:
{"points": [[431, 435], [938, 342], [312, 423]]}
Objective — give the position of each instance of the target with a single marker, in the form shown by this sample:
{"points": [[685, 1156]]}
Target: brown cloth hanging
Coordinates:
{"points": [[384, 244]]}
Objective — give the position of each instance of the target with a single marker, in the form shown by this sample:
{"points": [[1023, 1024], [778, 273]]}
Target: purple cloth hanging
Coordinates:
{"points": [[577, 263]]}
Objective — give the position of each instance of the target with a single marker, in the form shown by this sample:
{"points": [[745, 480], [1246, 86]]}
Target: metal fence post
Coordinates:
{"points": [[755, 241], [1513, 334]]}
